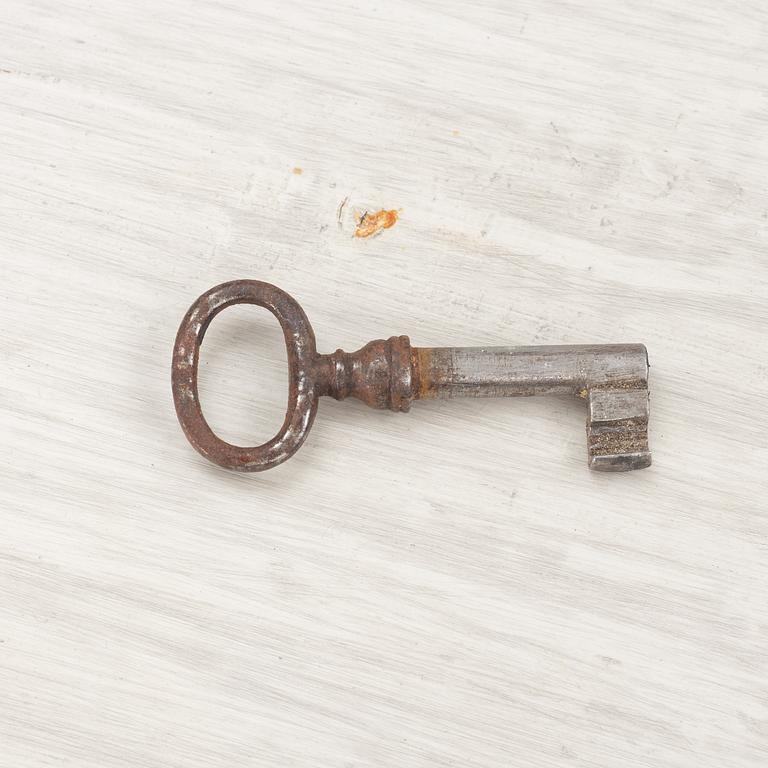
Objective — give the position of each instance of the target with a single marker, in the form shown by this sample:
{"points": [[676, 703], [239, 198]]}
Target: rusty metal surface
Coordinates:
{"points": [[300, 345], [380, 374], [390, 374]]}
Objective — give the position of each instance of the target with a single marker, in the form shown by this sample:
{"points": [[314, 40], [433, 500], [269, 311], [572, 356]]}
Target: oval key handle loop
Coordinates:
{"points": [[302, 400]]}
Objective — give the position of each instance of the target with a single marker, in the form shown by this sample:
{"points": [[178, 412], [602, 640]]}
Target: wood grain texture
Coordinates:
{"points": [[446, 587]]}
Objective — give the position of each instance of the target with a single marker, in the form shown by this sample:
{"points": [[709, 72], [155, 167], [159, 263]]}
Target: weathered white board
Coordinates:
{"points": [[450, 587]]}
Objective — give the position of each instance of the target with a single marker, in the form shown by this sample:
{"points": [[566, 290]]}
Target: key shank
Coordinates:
{"points": [[612, 378]]}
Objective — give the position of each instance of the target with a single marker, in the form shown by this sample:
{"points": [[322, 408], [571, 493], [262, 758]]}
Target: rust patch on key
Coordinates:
{"points": [[372, 223]]}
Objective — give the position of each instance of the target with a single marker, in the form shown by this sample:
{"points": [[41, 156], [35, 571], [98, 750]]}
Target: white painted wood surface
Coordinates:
{"points": [[450, 587]]}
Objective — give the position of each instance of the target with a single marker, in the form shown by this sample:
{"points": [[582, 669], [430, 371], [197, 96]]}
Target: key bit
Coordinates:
{"points": [[391, 374]]}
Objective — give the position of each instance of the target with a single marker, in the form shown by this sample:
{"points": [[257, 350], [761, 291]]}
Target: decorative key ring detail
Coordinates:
{"points": [[612, 378]]}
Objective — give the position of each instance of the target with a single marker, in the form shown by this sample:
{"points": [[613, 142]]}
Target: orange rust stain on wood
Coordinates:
{"points": [[372, 223]]}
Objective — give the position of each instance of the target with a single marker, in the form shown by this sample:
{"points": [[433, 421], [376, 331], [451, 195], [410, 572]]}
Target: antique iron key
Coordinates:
{"points": [[612, 378]]}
